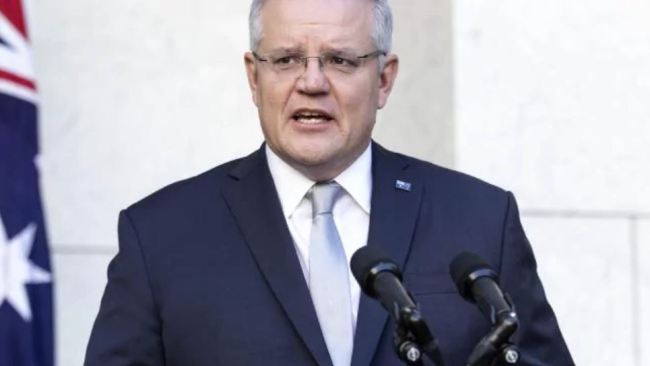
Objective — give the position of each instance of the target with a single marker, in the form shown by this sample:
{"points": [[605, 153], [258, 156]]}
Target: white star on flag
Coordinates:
{"points": [[17, 270]]}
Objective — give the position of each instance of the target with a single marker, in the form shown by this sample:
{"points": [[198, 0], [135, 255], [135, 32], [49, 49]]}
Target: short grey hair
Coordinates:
{"points": [[382, 34]]}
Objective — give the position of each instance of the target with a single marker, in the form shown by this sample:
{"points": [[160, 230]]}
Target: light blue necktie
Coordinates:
{"points": [[328, 275]]}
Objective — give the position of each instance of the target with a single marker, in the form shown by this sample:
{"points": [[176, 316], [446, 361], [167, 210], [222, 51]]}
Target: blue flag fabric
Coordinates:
{"points": [[26, 313]]}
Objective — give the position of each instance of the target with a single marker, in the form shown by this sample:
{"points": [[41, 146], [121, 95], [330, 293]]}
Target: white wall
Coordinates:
{"points": [[138, 94], [551, 101]]}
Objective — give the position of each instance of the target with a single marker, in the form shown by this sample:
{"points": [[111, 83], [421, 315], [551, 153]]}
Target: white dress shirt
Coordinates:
{"points": [[351, 212]]}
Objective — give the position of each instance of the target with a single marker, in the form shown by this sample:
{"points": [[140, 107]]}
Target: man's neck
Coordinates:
{"points": [[323, 172]]}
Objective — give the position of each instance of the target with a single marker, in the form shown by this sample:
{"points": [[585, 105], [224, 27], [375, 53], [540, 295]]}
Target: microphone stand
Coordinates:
{"points": [[496, 347], [412, 337]]}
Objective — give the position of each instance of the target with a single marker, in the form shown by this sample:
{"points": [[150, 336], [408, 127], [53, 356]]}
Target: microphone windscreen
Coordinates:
{"points": [[460, 269], [362, 263]]}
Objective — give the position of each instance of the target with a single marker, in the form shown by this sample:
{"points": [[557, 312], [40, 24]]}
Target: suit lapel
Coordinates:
{"points": [[394, 212], [253, 200]]}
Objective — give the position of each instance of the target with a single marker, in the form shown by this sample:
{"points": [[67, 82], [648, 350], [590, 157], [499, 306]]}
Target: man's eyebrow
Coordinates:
{"points": [[290, 49], [300, 50], [340, 50]]}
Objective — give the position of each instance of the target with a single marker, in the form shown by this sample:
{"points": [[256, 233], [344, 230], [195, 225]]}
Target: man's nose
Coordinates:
{"points": [[313, 80]]}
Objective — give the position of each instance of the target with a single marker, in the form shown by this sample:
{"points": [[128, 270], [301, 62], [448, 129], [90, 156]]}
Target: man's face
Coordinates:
{"points": [[318, 121]]}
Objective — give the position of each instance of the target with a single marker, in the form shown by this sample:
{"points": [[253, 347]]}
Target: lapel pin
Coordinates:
{"points": [[404, 186]]}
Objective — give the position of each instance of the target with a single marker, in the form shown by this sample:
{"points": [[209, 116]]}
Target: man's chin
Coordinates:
{"points": [[312, 152]]}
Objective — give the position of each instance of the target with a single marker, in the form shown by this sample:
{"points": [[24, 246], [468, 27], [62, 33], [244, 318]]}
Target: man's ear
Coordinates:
{"points": [[387, 79], [251, 73]]}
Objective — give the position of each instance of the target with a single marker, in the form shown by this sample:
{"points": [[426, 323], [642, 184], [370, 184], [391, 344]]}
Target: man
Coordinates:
{"points": [[246, 264]]}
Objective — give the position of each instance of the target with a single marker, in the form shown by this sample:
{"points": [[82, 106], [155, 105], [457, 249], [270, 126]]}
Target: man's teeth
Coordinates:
{"points": [[311, 118]]}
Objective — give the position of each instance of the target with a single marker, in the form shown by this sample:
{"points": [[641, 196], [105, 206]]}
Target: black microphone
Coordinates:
{"points": [[477, 282], [380, 278]]}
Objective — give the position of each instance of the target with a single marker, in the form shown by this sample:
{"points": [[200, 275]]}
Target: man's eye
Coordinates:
{"points": [[342, 61], [286, 60]]}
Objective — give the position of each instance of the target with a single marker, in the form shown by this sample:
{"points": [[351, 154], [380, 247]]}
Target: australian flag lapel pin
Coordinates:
{"points": [[402, 185]]}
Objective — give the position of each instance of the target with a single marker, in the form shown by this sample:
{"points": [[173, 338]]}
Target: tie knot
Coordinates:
{"points": [[323, 196]]}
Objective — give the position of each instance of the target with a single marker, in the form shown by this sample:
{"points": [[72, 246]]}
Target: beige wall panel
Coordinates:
{"points": [[79, 284], [418, 119], [586, 267], [552, 100], [134, 95]]}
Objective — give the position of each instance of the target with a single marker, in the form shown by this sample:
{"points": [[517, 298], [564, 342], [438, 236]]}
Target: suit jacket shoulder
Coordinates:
{"points": [[439, 179]]}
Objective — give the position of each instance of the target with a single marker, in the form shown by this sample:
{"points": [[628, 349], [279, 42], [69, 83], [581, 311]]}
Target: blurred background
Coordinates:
{"points": [[547, 98]]}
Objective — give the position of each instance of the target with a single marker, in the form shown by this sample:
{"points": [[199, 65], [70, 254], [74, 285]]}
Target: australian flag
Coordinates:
{"points": [[26, 324]]}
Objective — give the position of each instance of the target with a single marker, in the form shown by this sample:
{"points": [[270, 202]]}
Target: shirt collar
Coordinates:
{"points": [[357, 179], [292, 186]]}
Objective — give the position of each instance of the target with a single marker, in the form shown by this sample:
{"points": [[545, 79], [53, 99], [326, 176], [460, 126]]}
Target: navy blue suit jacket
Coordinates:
{"points": [[207, 273]]}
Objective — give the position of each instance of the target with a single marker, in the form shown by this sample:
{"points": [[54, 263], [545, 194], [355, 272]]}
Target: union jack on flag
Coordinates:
{"points": [[16, 71], [26, 324]]}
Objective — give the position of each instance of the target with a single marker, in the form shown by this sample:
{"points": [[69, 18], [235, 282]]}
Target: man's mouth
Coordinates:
{"points": [[311, 116]]}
